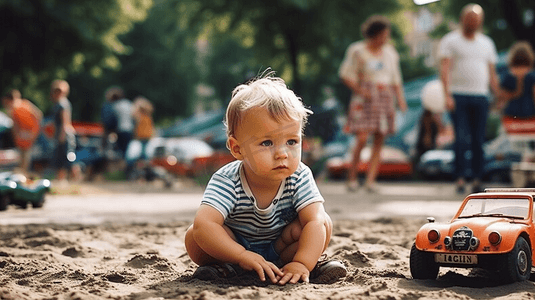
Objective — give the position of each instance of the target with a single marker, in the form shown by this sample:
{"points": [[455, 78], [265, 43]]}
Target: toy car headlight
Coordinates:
{"points": [[447, 241], [433, 235], [46, 183], [495, 238], [474, 242]]}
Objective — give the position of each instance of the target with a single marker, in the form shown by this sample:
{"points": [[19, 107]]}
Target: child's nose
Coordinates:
{"points": [[281, 152]]}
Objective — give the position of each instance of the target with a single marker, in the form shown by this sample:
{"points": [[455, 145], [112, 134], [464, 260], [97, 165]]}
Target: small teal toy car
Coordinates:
{"points": [[15, 189]]}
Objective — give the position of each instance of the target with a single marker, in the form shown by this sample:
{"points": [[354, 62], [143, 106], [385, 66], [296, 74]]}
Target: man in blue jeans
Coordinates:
{"points": [[467, 68]]}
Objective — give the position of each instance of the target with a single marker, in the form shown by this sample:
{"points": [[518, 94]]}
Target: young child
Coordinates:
{"points": [[144, 127], [263, 211]]}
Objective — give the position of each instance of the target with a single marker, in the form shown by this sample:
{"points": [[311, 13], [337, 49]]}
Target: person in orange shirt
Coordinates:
{"points": [[26, 125], [144, 127]]}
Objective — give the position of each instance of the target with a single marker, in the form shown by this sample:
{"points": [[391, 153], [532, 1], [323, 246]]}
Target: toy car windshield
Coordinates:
{"points": [[516, 208]]}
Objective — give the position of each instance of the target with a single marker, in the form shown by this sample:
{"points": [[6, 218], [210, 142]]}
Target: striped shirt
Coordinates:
{"points": [[229, 193]]}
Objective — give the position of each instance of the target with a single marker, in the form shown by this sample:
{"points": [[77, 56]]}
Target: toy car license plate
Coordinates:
{"points": [[463, 259]]}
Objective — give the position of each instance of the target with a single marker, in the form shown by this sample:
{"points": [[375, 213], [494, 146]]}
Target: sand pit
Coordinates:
{"points": [[148, 261]]}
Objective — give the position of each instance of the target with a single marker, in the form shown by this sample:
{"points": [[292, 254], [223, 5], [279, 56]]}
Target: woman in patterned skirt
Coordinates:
{"points": [[371, 70]]}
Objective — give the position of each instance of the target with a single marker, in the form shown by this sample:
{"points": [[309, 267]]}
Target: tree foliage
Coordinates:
{"points": [[506, 21], [298, 38], [42, 40], [166, 49], [163, 65]]}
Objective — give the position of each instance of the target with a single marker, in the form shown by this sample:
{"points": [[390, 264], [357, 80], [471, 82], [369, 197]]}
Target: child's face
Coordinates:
{"points": [[270, 150], [56, 94]]}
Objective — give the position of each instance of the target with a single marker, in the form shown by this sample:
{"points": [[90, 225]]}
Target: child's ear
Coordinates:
{"points": [[234, 147]]}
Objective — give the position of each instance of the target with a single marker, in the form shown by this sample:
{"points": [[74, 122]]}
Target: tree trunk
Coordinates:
{"points": [[293, 51]]}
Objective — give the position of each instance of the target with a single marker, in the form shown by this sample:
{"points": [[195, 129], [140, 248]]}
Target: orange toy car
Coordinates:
{"points": [[492, 230]]}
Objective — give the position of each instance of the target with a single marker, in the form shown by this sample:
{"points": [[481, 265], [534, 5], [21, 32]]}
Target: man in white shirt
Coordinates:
{"points": [[125, 120], [467, 69]]}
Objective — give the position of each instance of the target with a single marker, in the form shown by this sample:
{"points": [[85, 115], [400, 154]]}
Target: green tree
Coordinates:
{"points": [[162, 64], [42, 40], [298, 38], [229, 64]]}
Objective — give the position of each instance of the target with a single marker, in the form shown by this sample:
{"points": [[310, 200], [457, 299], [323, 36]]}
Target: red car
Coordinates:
{"points": [[186, 156], [394, 163]]}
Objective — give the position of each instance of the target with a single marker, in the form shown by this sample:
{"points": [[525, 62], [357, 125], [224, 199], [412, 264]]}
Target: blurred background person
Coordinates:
{"points": [[125, 122], [144, 127], [517, 97], [430, 126], [64, 135], [108, 116], [136, 157], [26, 125], [370, 69], [467, 67]]}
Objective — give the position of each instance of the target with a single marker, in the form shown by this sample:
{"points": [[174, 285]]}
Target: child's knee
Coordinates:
{"points": [[328, 225], [295, 232], [190, 244], [189, 233], [292, 232]]}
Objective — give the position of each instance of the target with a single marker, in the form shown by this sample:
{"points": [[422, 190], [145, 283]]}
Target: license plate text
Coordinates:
{"points": [[464, 259]]}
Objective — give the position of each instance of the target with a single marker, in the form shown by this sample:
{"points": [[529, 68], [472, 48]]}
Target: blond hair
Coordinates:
{"points": [[61, 85], [143, 105], [270, 93]]}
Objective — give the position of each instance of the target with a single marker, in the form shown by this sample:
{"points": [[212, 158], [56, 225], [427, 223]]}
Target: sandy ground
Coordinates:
{"points": [[147, 260]]}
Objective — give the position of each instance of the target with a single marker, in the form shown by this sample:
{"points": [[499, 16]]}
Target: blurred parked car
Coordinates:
{"points": [[394, 163], [499, 158], [88, 151], [336, 155], [214, 135], [9, 159], [188, 156], [195, 124]]}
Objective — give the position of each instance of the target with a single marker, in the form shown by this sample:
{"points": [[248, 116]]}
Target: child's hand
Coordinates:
{"points": [[293, 272], [253, 261]]}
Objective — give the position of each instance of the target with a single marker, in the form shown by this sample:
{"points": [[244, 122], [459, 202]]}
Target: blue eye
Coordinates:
{"points": [[267, 143], [292, 142]]}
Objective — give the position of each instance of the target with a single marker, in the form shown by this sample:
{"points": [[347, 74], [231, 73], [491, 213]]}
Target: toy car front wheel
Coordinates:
{"points": [[4, 201], [517, 263], [422, 264], [20, 203], [39, 203]]}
